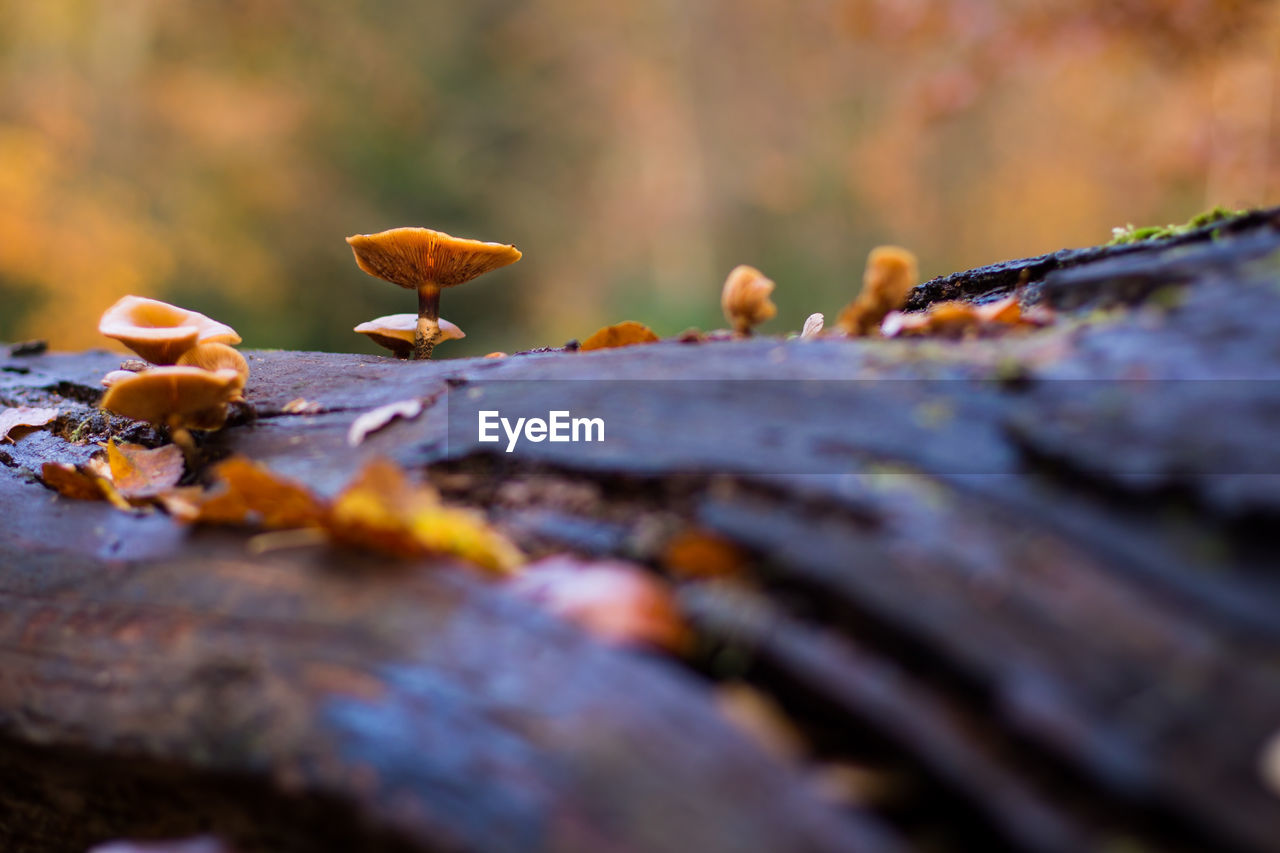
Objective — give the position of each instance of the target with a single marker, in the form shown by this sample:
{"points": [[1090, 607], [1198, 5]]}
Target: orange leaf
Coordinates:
{"points": [[622, 334], [699, 554], [138, 472], [252, 494], [618, 602], [72, 482]]}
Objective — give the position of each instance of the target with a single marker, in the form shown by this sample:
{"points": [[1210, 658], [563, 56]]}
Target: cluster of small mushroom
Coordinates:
{"points": [[192, 375], [886, 283]]}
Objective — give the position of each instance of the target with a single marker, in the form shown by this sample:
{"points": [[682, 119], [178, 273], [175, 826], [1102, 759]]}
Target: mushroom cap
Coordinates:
{"points": [[395, 332], [216, 357], [160, 332], [890, 274], [189, 397], [412, 257], [745, 298]]}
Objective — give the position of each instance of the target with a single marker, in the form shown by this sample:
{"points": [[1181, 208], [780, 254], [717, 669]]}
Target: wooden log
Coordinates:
{"points": [[1041, 590]]}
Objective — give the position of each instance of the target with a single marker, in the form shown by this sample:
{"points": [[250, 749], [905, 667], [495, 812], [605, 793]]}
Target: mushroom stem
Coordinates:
{"points": [[182, 437], [428, 330]]}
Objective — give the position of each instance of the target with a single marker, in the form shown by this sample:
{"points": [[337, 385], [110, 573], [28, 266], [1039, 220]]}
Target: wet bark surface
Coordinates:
{"points": [[1026, 585]]}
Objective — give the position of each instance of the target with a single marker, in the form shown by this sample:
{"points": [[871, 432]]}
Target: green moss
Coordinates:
{"points": [[1132, 234]]}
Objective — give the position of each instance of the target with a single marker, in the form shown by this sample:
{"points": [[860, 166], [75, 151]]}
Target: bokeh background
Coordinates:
{"points": [[215, 154]]}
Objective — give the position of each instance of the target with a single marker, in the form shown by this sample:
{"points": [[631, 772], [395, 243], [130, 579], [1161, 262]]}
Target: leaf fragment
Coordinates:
{"points": [[382, 510], [374, 420], [624, 334], [619, 602], [141, 472], [251, 494], [23, 416]]}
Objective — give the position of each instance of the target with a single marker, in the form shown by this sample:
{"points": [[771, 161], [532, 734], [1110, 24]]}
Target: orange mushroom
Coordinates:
{"points": [[887, 281], [180, 398], [217, 357], [160, 332], [427, 261], [396, 332], [745, 299]]}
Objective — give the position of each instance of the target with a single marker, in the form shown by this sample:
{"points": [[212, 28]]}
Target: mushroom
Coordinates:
{"points": [[160, 332], [745, 299], [396, 331], [216, 357], [812, 326], [427, 261], [890, 274], [180, 398]]}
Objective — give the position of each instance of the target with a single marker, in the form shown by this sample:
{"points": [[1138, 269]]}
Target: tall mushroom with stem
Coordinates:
{"points": [[427, 261]]}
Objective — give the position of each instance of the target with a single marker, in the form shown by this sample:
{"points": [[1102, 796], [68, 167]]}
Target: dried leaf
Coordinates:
{"points": [[24, 416], [622, 334], [378, 418], [72, 482], [140, 472], [699, 554], [618, 602], [300, 406], [183, 503], [252, 494], [382, 511]]}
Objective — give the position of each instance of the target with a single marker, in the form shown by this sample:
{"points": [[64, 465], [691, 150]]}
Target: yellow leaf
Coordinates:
{"points": [[382, 511], [622, 334]]}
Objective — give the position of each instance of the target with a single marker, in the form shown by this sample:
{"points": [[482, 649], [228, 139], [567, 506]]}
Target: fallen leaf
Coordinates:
{"points": [[617, 601], [77, 484], [382, 510], [1007, 310], [300, 406], [140, 472], [183, 503], [378, 418], [70, 482], [251, 494], [622, 334], [696, 553], [24, 416]]}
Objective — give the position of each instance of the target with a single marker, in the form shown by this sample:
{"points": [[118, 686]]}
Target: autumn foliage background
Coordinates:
{"points": [[215, 154]]}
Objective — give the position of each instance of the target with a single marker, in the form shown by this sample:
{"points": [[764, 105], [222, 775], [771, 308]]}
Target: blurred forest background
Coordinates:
{"points": [[215, 154]]}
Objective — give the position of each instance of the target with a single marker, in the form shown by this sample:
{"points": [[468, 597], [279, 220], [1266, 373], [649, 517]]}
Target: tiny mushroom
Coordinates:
{"points": [[180, 398], [745, 299], [812, 326], [395, 332], [160, 332], [427, 261], [890, 274]]}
